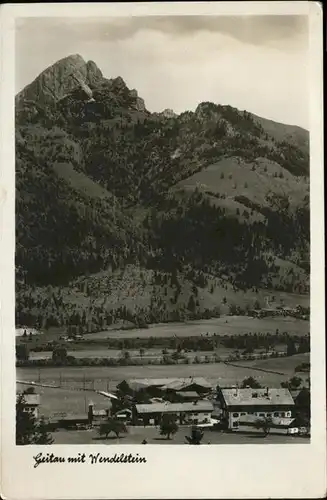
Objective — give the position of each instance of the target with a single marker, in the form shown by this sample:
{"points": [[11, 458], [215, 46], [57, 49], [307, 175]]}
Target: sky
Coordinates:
{"points": [[257, 63]]}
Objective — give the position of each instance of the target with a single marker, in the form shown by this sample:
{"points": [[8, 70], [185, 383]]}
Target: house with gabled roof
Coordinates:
{"points": [[195, 412], [157, 387], [31, 403], [237, 403]]}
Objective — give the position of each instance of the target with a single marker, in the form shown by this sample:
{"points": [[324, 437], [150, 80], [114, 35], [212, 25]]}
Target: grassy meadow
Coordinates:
{"points": [[64, 399], [68, 399], [225, 325]]}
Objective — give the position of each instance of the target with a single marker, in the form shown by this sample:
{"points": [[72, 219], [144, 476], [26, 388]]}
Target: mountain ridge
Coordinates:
{"points": [[102, 185]]}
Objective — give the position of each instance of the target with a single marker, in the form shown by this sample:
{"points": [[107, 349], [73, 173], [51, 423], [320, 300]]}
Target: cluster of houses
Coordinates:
{"points": [[195, 401], [295, 312], [190, 401]]}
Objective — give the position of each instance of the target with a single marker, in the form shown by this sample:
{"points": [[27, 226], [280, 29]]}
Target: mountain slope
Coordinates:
{"points": [[218, 197], [228, 177]]}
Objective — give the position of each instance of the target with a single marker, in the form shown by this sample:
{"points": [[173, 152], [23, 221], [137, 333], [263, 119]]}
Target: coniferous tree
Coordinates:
{"points": [[191, 305], [28, 430], [42, 435], [25, 423]]}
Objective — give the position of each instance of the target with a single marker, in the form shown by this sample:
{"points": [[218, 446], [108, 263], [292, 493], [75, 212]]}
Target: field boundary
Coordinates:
{"points": [[39, 384], [68, 388], [253, 368]]}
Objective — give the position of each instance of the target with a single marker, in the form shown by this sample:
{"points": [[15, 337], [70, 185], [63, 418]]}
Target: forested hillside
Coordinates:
{"points": [[124, 214]]}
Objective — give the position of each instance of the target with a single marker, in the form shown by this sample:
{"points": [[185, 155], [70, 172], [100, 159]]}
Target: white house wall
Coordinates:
{"points": [[234, 416]]}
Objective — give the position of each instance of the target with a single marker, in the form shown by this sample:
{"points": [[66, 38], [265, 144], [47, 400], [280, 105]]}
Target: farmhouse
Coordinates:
{"points": [[151, 386], [186, 413], [237, 403], [190, 384], [31, 404], [164, 386]]}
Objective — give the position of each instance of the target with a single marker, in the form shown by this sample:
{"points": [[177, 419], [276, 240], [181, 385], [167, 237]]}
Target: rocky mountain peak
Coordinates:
{"points": [[73, 76], [71, 60], [60, 79], [94, 74]]}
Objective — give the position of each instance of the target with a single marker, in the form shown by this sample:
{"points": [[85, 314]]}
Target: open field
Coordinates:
{"points": [[66, 400], [103, 378], [134, 354], [285, 365], [60, 402], [81, 351], [255, 183], [151, 434], [225, 325]]}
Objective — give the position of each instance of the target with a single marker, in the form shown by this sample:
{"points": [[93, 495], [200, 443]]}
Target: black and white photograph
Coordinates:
{"points": [[163, 255], [162, 231]]}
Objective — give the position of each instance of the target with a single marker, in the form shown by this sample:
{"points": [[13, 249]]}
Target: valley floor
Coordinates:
{"points": [[70, 398], [75, 386], [225, 325]]}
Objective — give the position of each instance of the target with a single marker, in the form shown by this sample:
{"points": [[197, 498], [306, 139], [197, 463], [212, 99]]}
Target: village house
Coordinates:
{"points": [[237, 403], [31, 404], [197, 385], [196, 412], [92, 417], [166, 387], [152, 387]]}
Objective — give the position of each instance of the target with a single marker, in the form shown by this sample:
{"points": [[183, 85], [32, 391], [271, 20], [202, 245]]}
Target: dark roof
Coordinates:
{"points": [[188, 394], [184, 383], [144, 383], [167, 383]]}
